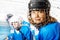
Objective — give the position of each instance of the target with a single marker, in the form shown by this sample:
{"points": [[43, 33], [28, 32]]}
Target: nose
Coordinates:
{"points": [[37, 15]]}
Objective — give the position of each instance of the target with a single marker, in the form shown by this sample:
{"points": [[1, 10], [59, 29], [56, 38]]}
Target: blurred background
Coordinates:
{"points": [[20, 8]]}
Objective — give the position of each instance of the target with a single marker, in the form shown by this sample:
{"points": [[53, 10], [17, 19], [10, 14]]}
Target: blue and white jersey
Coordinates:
{"points": [[47, 32], [35, 32], [23, 34]]}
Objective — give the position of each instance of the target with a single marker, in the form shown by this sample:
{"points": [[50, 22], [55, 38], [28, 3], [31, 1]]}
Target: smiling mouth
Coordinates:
{"points": [[37, 18]]}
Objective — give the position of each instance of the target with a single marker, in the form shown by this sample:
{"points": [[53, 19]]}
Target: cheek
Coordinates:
{"points": [[33, 16], [15, 25], [43, 17]]}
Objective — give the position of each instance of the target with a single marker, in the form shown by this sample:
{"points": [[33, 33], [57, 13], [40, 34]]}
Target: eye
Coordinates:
{"points": [[33, 12]]}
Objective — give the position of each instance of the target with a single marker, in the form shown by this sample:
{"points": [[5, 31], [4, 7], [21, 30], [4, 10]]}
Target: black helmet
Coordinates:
{"points": [[39, 4]]}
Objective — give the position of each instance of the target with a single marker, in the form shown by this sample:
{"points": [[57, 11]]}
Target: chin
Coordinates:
{"points": [[37, 22]]}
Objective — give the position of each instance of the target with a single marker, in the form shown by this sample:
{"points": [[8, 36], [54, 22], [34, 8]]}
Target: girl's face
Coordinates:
{"points": [[15, 25], [38, 16]]}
